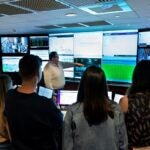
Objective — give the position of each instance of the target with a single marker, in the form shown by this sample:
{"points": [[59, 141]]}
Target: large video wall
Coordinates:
{"points": [[114, 51], [117, 52]]}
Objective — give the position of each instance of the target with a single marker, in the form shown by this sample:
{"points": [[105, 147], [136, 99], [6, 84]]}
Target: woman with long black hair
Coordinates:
{"points": [[94, 122]]}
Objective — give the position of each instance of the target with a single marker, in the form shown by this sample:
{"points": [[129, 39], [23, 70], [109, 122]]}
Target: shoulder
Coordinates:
{"points": [[47, 104], [124, 103], [139, 103], [74, 109], [117, 110], [11, 92], [44, 99], [48, 65]]}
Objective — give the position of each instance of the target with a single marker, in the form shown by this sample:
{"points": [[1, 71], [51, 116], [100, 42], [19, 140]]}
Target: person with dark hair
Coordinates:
{"points": [[5, 85], [53, 71], [136, 106], [94, 122], [33, 120]]}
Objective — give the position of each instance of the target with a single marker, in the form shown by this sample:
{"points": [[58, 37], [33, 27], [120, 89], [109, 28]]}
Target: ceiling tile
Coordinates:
{"points": [[11, 10], [40, 5]]}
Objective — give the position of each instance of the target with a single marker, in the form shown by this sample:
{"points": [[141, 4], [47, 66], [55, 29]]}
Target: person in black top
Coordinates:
{"points": [[136, 106], [34, 121]]}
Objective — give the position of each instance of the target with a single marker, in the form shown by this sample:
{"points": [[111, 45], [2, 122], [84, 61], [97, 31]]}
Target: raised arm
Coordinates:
{"points": [[70, 64]]}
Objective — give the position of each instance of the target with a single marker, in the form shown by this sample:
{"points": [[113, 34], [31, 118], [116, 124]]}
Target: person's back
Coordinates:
{"points": [[105, 128], [33, 120], [136, 106], [138, 120], [94, 137]]}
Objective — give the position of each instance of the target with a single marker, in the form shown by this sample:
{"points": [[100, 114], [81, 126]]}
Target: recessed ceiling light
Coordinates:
{"points": [[117, 16], [71, 14]]}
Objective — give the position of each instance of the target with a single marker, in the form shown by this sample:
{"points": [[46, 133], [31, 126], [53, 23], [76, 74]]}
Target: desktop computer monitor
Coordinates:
{"points": [[67, 97]]}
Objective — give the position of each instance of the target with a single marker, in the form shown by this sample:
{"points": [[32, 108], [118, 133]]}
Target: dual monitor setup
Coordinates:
{"points": [[116, 52]]}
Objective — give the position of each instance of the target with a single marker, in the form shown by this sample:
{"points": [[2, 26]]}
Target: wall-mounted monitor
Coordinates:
{"points": [[88, 45], [68, 72], [143, 53], [10, 63], [44, 62], [87, 62], [42, 53], [63, 44], [119, 55], [144, 39], [14, 45], [38, 41], [87, 50]]}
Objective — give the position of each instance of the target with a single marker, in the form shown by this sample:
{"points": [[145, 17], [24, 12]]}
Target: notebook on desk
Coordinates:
{"points": [[67, 97]]}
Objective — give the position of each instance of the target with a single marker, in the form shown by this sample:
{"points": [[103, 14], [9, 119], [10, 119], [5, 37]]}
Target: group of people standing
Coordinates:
{"points": [[94, 122]]}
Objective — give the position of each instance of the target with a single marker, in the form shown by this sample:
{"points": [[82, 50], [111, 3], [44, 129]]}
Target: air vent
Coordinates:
{"points": [[40, 5], [79, 3], [48, 27], [109, 1], [11, 10], [6, 1], [96, 23], [71, 25]]}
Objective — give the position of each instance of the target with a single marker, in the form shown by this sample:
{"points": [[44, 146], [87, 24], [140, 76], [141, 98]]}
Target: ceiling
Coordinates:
{"points": [[49, 16]]}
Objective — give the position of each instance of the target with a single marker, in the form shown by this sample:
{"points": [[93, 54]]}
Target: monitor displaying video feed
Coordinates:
{"points": [[12, 45], [10, 63], [119, 55]]}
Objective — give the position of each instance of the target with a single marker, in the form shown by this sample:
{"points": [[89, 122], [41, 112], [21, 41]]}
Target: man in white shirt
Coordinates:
{"points": [[53, 71]]}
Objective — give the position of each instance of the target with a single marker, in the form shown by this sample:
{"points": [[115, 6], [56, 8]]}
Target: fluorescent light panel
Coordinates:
{"points": [[90, 9]]}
